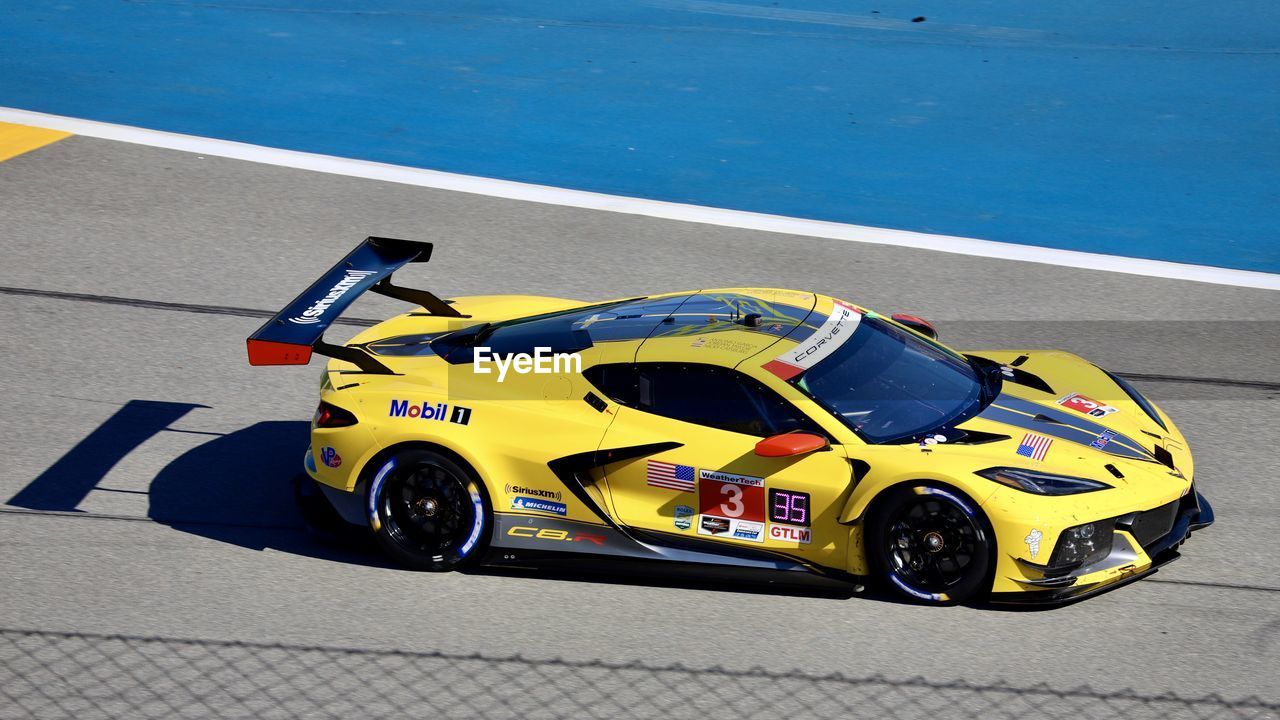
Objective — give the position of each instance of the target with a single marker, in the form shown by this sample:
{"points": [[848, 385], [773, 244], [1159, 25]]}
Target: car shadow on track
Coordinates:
{"points": [[642, 574], [234, 487], [238, 488]]}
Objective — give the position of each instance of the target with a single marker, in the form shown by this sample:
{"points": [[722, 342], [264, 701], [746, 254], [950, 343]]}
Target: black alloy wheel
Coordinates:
{"points": [[931, 544], [428, 511]]}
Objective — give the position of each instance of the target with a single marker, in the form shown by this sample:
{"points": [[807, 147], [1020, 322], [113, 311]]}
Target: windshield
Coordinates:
{"points": [[888, 384]]}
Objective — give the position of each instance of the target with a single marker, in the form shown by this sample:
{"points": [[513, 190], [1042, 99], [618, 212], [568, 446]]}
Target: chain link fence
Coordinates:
{"points": [[55, 675]]}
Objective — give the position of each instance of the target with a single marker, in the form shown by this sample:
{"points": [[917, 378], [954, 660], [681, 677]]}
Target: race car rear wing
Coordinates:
{"points": [[295, 332]]}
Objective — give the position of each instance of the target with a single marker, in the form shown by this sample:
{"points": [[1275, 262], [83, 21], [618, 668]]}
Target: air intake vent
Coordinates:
{"points": [[1152, 525]]}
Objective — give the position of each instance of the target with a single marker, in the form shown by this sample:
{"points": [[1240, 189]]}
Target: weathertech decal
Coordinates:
{"points": [[312, 314], [731, 505], [837, 329], [748, 530], [724, 477], [713, 525]]}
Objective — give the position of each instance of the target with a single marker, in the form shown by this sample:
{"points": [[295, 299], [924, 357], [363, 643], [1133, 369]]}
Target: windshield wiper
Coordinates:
{"points": [[483, 333], [467, 336], [990, 379]]}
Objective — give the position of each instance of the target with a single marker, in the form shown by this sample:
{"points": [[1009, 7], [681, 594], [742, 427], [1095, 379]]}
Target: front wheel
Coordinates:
{"points": [[931, 544], [428, 511]]}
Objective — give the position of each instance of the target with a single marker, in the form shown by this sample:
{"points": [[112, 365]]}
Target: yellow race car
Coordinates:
{"points": [[731, 428]]}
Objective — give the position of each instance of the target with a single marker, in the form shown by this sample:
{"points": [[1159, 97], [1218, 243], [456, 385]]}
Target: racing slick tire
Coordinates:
{"points": [[931, 544], [428, 510]]}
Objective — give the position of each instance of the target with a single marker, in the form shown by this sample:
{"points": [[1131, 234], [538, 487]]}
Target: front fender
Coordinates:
{"points": [[899, 464]]}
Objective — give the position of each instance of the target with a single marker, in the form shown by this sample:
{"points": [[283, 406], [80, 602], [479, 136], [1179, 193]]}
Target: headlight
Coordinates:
{"points": [[1041, 483], [1084, 544]]}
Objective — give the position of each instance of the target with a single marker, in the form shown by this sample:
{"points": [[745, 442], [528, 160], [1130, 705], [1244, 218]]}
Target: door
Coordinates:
{"points": [[713, 486]]}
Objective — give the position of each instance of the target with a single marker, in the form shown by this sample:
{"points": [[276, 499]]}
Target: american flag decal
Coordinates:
{"points": [[1034, 446], [669, 476]]}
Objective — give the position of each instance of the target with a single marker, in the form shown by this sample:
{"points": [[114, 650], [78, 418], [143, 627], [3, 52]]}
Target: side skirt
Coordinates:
{"points": [[537, 536]]}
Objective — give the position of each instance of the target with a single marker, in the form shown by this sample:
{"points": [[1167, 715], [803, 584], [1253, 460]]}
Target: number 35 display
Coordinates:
{"points": [[788, 506]]}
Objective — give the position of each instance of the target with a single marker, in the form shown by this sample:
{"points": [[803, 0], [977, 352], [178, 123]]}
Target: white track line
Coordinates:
{"points": [[638, 206]]}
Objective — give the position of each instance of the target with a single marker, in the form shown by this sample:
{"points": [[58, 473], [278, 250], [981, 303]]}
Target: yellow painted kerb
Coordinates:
{"points": [[18, 139]]}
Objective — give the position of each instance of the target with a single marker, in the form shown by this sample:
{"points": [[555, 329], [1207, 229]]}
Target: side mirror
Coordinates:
{"points": [[788, 444], [920, 325]]}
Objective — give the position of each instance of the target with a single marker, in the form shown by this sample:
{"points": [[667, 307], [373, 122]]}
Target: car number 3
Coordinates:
{"points": [[732, 507]]}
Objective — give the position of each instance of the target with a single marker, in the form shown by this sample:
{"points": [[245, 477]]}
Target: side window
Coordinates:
{"points": [[702, 394], [781, 416], [617, 382]]}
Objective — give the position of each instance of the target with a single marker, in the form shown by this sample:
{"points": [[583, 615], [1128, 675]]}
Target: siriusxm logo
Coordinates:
{"points": [[312, 314], [427, 411], [536, 492], [524, 503]]}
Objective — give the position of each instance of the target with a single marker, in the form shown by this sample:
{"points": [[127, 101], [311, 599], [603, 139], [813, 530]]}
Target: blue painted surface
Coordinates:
{"points": [[1142, 128]]}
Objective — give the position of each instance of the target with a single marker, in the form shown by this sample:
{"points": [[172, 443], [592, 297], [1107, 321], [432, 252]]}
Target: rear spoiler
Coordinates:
{"points": [[295, 332]]}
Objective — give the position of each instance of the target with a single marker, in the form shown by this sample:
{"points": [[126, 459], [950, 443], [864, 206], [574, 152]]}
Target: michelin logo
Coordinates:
{"points": [[1033, 542], [312, 314], [525, 503]]}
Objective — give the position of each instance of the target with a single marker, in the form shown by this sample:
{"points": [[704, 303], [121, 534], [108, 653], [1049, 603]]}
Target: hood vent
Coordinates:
{"points": [[977, 437], [1022, 377]]}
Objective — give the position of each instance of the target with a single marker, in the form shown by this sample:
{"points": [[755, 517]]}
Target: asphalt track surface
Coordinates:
{"points": [[130, 276]]}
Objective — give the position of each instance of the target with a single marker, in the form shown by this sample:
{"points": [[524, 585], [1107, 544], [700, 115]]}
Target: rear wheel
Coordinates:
{"points": [[931, 544], [428, 510]]}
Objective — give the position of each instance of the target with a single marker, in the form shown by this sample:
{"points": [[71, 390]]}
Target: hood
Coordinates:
{"points": [[1056, 408]]}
